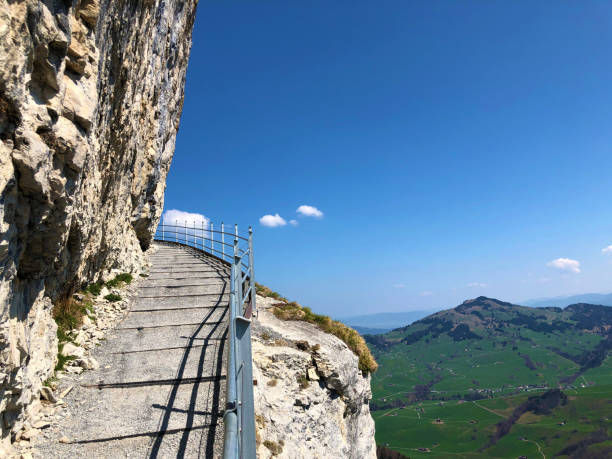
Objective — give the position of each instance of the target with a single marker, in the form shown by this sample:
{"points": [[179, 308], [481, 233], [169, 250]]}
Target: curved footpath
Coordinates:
{"points": [[160, 388]]}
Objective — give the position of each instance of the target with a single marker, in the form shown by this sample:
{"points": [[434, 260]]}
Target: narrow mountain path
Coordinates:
{"points": [[488, 409], [160, 389]]}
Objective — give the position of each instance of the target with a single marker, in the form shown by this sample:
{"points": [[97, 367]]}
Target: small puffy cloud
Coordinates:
{"points": [[426, 293], [180, 218], [309, 211], [178, 224], [477, 284], [399, 285], [607, 249], [272, 221], [565, 264], [293, 222]]}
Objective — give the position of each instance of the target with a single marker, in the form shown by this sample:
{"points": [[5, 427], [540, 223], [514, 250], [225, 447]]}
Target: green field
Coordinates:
{"points": [[466, 427], [438, 396]]}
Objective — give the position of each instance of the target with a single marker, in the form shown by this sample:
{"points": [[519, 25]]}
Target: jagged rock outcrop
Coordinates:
{"points": [[91, 93], [311, 399]]}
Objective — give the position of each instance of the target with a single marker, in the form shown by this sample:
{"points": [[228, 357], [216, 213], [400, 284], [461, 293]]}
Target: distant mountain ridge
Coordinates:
{"points": [[563, 301], [383, 321], [369, 331], [473, 319]]}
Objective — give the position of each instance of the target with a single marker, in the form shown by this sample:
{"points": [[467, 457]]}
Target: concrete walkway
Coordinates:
{"points": [[160, 389]]}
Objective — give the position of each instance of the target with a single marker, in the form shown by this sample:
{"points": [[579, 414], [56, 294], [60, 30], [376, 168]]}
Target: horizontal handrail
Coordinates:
{"points": [[194, 226], [201, 236], [239, 415]]}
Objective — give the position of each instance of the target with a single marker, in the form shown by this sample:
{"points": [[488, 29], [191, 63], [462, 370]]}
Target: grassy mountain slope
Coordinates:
{"points": [[446, 382]]}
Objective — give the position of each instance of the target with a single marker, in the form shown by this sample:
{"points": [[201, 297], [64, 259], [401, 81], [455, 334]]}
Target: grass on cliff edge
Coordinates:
{"points": [[293, 311], [68, 314], [118, 281]]}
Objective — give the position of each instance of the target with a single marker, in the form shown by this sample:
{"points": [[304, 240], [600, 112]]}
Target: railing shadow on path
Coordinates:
{"points": [[239, 421]]}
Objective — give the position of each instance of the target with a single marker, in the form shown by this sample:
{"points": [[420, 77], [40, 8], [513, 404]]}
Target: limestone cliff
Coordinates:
{"points": [[91, 93], [311, 399]]}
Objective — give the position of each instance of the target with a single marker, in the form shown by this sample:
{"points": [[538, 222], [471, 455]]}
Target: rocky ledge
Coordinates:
{"points": [[311, 399]]}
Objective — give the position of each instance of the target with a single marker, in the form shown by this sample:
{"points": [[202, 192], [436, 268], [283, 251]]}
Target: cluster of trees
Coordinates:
{"points": [[382, 452], [537, 404], [590, 316]]}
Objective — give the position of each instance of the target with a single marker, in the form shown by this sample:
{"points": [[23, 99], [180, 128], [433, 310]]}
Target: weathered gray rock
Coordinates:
{"points": [[310, 401], [91, 93], [47, 394], [70, 350]]}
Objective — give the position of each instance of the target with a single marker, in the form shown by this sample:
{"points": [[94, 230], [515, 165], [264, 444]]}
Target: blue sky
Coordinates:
{"points": [[454, 148]]}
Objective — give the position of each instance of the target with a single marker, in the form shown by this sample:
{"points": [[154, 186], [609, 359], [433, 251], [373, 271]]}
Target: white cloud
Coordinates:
{"points": [[426, 293], [293, 222], [565, 264], [399, 285], [272, 221], [185, 226], [179, 218], [309, 211], [607, 249], [477, 284]]}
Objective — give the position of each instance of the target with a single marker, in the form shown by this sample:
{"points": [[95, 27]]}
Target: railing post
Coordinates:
{"points": [[222, 241], [202, 235], [238, 262], [253, 311], [212, 239]]}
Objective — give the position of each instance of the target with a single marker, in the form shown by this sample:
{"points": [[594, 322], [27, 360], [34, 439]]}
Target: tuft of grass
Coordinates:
{"points": [[303, 382], [63, 337], [89, 308], [265, 291], [112, 297], [94, 288], [68, 314], [62, 360], [120, 279], [293, 311], [265, 336], [275, 448]]}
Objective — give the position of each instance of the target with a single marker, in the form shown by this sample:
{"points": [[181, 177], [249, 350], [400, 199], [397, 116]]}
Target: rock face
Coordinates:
{"points": [[91, 93], [311, 399]]}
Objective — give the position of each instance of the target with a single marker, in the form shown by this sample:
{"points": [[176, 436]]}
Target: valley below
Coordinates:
{"points": [[493, 379]]}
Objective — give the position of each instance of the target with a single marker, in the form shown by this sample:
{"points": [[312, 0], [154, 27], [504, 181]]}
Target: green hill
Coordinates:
{"points": [[474, 380]]}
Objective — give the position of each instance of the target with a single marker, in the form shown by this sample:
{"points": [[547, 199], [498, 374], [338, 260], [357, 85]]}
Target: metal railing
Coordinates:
{"points": [[239, 416]]}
